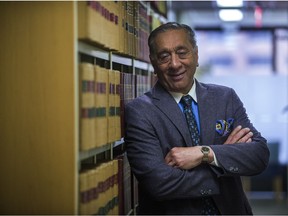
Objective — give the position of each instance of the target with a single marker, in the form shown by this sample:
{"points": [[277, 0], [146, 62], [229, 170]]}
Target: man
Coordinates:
{"points": [[178, 171]]}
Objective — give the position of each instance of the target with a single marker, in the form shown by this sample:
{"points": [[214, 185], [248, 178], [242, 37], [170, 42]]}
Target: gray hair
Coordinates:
{"points": [[171, 26]]}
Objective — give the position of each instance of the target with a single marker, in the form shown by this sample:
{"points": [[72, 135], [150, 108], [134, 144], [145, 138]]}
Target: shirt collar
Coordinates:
{"points": [[177, 96]]}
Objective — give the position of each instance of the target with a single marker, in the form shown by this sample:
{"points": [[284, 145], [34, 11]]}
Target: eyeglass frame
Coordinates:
{"points": [[182, 53]]}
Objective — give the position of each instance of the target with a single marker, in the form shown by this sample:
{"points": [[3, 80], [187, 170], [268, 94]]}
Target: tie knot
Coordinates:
{"points": [[186, 100]]}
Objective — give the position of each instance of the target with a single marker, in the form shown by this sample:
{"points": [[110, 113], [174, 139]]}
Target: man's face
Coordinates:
{"points": [[175, 60]]}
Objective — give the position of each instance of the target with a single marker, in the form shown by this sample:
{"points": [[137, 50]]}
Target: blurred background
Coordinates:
{"points": [[50, 159], [244, 45]]}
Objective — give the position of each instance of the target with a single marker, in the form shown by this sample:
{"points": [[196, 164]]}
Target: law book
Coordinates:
{"points": [[91, 178], [114, 19], [136, 29], [117, 105], [126, 38], [87, 103], [83, 190], [109, 12], [108, 181], [111, 107], [98, 22], [121, 26], [139, 85], [90, 20], [101, 189], [131, 38], [101, 104], [127, 93], [144, 31], [120, 176], [115, 188], [109, 191]]}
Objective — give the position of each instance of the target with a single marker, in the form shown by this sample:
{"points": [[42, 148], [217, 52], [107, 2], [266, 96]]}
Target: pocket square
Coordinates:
{"points": [[224, 127]]}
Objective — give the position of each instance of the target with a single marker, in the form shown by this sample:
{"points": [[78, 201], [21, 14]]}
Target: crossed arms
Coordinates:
{"points": [[190, 157]]}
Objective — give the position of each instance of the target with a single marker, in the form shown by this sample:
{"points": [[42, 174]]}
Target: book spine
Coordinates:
{"points": [[117, 105], [101, 103], [87, 124]]}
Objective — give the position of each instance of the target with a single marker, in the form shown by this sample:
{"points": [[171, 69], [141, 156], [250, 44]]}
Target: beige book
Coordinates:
{"points": [[111, 107], [83, 189], [115, 188], [102, 199], [110, 183], [87, 103], [117, 106], [101, 104], [90, 21]]}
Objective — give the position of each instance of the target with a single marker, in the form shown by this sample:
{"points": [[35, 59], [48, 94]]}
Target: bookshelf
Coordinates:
{"points": [[40, 114]]}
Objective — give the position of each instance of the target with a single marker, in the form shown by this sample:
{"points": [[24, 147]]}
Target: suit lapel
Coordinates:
{"points": [[207, 113], [166, 104]]}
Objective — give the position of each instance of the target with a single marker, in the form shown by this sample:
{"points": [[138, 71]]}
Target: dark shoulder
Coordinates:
{"points": [[140, 101], [215, 88]]}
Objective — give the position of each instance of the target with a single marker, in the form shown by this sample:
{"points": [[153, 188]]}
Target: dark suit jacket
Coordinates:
{"points": [[155, 124]]}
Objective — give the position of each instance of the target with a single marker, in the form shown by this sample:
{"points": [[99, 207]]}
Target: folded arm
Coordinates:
{"points": [[146, 153], [190, 157]]}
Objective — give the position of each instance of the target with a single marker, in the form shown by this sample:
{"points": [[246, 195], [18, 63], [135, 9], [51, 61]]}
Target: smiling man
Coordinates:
{"points": [[188, 143]]}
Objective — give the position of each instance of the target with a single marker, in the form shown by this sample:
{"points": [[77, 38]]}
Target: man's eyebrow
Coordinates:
{"points": [[165, 50]]}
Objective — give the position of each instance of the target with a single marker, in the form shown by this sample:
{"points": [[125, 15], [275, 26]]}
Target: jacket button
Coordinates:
{"points": [[202, 192]]}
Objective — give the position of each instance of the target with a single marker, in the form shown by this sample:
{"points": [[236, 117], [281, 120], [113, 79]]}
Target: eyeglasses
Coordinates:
{"points": [[165, 57]]}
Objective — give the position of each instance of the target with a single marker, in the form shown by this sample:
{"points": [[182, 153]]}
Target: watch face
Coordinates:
{"points": [[205, 149]]}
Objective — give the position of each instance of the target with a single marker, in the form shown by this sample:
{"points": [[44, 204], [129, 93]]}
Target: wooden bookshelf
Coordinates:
{"points": [[39, 123], [39, 113]]}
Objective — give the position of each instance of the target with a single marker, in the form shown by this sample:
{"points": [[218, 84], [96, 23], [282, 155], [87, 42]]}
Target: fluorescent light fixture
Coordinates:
{"points": [[230, 3], [230, 15]]}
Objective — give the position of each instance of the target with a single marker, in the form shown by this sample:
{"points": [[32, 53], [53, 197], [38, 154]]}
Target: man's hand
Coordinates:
{"points": [[239, 135], [190, 157], [184, 157]]}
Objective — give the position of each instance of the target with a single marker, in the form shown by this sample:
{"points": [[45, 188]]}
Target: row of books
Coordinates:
{"points": [[103, 95], [123, 26], [99, 106], [108, 189]]}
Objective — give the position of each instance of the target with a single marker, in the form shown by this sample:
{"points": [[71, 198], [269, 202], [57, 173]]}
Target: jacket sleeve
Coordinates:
{"points": [[242, 159], [146, 157]]}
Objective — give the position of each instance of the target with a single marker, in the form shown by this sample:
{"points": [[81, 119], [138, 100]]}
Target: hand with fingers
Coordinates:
{"points": [[239, 135]]}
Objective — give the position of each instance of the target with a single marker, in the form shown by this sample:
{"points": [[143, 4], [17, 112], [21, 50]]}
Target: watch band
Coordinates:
{"points": [[205, 150]]}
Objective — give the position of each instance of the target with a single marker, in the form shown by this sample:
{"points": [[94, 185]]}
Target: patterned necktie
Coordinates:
{"points": [[208, 205], [186, 101]]}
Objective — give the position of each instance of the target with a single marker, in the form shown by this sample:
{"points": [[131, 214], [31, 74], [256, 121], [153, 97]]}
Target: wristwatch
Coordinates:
{"points": [[205, 150]]}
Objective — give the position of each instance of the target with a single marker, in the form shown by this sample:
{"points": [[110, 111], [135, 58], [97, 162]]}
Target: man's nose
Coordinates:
{"points": [[175, 61]]}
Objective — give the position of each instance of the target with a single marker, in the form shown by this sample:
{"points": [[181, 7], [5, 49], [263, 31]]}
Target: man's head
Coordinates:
{"points": [[174, 56]]}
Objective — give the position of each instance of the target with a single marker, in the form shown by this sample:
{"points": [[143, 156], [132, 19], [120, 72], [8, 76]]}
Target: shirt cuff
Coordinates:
{"points": [[214, 162]]}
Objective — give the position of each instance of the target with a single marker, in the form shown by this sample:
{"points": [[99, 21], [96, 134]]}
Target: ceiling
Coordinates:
{"points": [[204, 14]]}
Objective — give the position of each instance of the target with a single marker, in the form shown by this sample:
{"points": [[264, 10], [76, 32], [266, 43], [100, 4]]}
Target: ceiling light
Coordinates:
{"points": [[230, 3], [230, 15]]}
